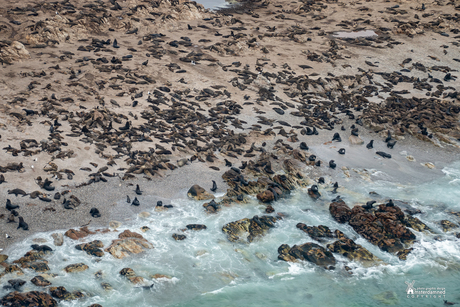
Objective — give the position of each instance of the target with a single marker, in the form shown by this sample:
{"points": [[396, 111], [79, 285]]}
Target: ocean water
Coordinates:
{"points": [[206, 269]]}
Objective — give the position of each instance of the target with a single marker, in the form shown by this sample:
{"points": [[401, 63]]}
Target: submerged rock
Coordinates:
{"points": [[447, 225], [198, 193], [131, 276], [246, 230], [178, 237], [58, 238], [196, 227], [77, 267], [40, 281], [316, 232], [311, 252], [403, 254], [62, 293], [92, 248], [416, 224], [33, 298], [11, 268], [128, 243]]}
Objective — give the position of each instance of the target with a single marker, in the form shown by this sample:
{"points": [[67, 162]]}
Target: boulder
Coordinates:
{"points": [[316, 232], [128, 243], [13, 53], [352, 251], [447, 225], [92, 248], [196, 227], [62, 293], [311, 252], [340, 211], [246, 230], [37, 266], [355, 140], [40, 281], [58, 238], [3, 258], [33, 298], [198, 193], [178, 237], [78, 234], [266, 196], [77, 267]]}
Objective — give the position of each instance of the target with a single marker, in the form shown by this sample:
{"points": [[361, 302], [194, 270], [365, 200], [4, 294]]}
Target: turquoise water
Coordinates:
{"points": [[207, 270]]}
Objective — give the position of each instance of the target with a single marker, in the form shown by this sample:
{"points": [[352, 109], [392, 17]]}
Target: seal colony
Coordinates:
{"points": [[109, 100]]}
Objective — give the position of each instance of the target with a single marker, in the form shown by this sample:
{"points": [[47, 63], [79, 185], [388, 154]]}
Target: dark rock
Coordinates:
{"points": [[39, 281], [178, 237], [32, 299], [196, 226], [246, 230], [316, 232], [62, 293], [92, 248], [340, 211], [351, 250], [403, 253], [311, 252], [266, 196], [416, 224], [269, 209]]}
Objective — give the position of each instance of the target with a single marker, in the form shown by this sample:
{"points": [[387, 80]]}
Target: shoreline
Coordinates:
{"points": [[195, 97]]}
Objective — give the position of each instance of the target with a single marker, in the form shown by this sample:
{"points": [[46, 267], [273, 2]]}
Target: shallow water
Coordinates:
{"points": [[354, 34], [215, 4], [208, 270]]}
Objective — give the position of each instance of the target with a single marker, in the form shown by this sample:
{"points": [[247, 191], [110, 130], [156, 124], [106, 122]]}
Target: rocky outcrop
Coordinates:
{"points": [[196, 227], [62, 294], [266, 196], [92, 248], [340, 211], [447, 225], [354, 252], [75, 268], [311, 252], [383, 226], [128, 243], [11, 268], [316, 232], [198, 193], [416, 224], [178, 237], [13, 53], [131, 276], [246, 230], [33, 299]]}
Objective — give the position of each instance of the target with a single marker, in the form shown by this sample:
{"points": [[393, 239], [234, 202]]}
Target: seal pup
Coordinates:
{"points": [[159, 203], [128, 200], [370, 145], [22, 224], [9, 206], [303, 146], [135, 202], [214, 186], [332, 164], [318, 163], [95, 212], [138, 190]]}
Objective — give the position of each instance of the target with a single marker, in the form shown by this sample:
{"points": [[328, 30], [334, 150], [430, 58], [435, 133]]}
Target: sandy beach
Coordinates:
{"points": [[199, 87]]}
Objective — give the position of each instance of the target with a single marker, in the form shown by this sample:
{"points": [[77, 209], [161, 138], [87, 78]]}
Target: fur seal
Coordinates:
{"points": [[159, 203], [41, 248], [318, 163], [138, 190], [341, 151], [135, 202], [369, 204], [95, 212], [11, 218], [128, 200], [337, 137], [22, 224], [390, 203], [313, 192], [312, 158], [383, 154], [332, 164], [17, 192], [321, 180], [303, 146], [214, 186], [2, 178], [370, 145], [10, 206], [391, 144]]}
